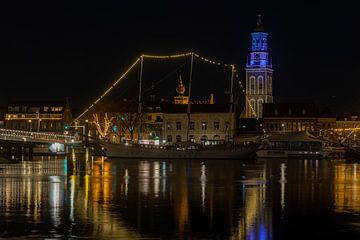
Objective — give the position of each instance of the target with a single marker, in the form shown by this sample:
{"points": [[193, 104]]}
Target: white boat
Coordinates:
{"points": [[292, 145], [178, 152]]}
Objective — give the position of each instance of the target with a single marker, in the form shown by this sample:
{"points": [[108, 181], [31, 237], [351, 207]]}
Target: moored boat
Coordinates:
{"points": [[292, 145], [137, 151]]}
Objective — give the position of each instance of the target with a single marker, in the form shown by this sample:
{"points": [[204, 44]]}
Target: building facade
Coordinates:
{"points": [[297, 117], [208, 124], [259, 74], [47, 116]]}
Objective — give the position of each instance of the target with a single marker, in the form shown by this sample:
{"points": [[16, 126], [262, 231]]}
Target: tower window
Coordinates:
{"points": [[252, 85], [261, 84]]}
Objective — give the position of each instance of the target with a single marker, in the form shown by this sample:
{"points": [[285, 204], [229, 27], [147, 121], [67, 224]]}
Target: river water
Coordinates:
{"points": [[49, 198]]}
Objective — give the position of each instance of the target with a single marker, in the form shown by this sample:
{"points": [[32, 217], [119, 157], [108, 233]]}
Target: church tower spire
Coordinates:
{"points": [[259, 73], [180, 90]]}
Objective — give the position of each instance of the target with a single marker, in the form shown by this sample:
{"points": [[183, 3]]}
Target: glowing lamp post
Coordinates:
{"points": [[29, 124]]}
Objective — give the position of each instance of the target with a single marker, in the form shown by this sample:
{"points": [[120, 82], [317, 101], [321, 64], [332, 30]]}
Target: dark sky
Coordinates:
{"points": [[57, 49]]}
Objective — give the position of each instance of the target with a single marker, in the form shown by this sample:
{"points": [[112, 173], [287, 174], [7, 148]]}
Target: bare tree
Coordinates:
{"points": [[129, 122], [102, 125]]}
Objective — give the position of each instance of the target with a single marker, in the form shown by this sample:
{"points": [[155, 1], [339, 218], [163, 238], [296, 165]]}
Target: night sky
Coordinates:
{"points": [[57, 49]]}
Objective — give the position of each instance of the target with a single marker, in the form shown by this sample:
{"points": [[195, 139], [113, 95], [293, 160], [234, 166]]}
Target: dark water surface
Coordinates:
{"points": [[177, 199]]}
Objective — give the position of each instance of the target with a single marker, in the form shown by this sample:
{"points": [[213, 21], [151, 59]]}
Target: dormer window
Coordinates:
{"points": [[303, 112], [56, 109], [289, 112], [276, 112]]}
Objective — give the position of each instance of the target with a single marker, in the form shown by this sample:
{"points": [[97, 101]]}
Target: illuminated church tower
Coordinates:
{"points": [[259, 74], [180, 89]]}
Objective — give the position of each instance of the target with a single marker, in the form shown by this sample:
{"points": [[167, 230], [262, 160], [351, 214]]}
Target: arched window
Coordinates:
{"points": [[216, 139], [178, 138], [204, 138], [169, 138], [192, 138], [252, 85], [261, 85]]}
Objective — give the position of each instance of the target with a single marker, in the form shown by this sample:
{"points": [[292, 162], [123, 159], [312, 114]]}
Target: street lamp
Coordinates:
{"points": [[38, 117], [354, 139], [29, 124]]}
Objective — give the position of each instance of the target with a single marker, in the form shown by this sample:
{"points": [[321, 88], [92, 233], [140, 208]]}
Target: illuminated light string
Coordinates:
{"points": [[110, 88], [251, 107], [207, 60]]}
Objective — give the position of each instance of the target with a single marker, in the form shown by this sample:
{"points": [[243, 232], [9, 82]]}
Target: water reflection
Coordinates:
{"points": [[347, 187], [176, 199]]}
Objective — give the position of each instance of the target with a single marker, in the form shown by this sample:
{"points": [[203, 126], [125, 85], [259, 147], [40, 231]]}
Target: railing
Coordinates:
{"points": [[18, 135]]}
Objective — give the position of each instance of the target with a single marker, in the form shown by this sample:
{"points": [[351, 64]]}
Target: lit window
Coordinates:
{"points": [[203, 125], [56, 109], [227, 125]]}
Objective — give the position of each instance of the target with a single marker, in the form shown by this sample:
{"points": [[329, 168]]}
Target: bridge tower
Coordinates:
{"points": [[259, 74]]}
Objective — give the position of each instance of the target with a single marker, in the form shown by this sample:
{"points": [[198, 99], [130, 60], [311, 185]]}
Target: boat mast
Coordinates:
{"points": [[189, 95], [232, 88], [140, 99]]}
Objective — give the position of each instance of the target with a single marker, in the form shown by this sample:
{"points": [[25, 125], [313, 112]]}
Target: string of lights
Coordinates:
{"points": [[251, 107], [204, 59], [110, 88], [143, 56], [167, 56]]}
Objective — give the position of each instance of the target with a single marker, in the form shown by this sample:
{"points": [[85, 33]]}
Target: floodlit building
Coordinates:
{"points": [[297, 117], [259, 74], [45, 116]]}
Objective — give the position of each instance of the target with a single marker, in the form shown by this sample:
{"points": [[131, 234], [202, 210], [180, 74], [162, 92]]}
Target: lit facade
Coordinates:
{"points": [[297, 117], [38, 116], [259, 74], [209, 124]]}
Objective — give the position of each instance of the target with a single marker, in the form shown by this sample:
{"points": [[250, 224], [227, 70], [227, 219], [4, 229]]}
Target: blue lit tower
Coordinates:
{"points": [[259, 74]]}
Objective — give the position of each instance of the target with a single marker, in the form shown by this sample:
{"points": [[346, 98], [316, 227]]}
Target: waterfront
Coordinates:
{"points": [[177, 199]]}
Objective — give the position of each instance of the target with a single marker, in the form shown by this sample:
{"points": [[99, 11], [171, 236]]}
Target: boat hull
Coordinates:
{"points": [[120, 151]]}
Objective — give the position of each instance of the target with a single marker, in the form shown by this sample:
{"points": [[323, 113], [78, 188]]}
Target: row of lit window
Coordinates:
{"points": [[33, 116], [34, 125], [192, 126], [290, 126], [34, 109], [192, 138]]}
